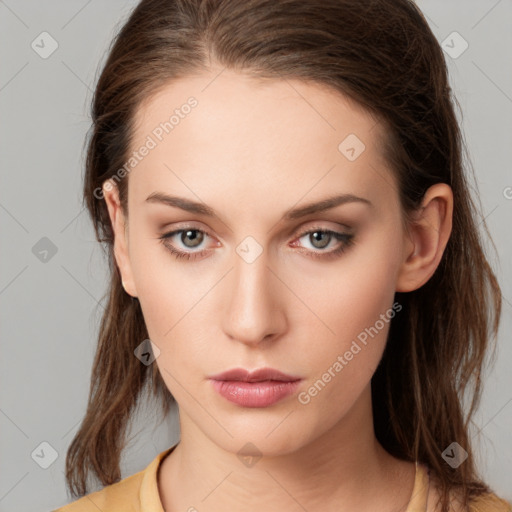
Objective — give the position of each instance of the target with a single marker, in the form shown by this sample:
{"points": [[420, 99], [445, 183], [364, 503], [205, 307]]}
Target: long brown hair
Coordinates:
{"points": [[383, 55]]}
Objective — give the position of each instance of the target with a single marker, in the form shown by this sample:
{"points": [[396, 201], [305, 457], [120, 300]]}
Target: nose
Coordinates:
{"points": [[253, 311]]}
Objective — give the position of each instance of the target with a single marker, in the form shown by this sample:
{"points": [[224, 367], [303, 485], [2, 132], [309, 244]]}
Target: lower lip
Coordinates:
{"points": [[254, 394]]}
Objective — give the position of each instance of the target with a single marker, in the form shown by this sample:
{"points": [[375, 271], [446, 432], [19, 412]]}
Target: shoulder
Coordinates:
{"points": [[135, 493], [123, 495], [490, 503]]}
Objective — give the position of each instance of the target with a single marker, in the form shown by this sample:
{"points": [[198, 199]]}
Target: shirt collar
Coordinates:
{"points": [[149, 494]]}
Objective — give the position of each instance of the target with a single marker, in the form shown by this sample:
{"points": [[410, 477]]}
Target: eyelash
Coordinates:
{"points": [[347, 239]]}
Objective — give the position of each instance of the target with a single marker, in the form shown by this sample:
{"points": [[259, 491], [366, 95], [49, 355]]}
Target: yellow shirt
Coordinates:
{"points": [[139, 493]]}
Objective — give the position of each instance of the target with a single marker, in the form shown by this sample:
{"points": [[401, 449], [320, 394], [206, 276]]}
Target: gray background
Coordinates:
{"points": [[50, 309]]}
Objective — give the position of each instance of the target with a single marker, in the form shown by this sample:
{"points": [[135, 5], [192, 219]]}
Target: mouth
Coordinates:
{"points": [[259, 375], [260, 388]]}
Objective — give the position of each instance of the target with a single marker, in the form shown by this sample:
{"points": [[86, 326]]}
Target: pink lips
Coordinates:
{"points": [[260, 388]]}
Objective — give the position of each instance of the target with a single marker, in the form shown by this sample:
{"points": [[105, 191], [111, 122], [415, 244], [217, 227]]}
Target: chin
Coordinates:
{"points": [[258, 442]]}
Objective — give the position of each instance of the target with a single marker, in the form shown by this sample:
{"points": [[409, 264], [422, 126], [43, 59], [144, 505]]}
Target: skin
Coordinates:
{"points": [[251, 150]]}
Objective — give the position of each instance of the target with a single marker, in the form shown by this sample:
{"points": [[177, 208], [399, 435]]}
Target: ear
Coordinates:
{"points": [[120, 229], [426, 239]]}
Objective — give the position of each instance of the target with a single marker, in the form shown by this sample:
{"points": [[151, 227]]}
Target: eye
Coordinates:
{"points": [[322, 238], [189, 238], [192, 238]]}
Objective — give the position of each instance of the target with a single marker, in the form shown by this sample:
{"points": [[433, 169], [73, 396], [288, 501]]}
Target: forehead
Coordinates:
{"points": [[254, 140]]}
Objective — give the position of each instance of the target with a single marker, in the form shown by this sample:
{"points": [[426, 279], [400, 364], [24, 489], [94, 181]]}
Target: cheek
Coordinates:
{"points": [[165, 292], [350, 295], [354, 309], [173, 315], [176, 302]]}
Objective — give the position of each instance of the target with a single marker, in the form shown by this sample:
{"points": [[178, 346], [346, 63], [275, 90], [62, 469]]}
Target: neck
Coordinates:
{"points": [[344, 469]]}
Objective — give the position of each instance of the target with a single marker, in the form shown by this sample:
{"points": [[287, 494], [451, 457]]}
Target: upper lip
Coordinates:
{"points": [[261, 374]]}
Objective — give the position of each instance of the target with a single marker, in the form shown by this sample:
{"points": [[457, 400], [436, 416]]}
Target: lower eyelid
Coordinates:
{"points": [[189, 252], [344, 239], [336, 235]]}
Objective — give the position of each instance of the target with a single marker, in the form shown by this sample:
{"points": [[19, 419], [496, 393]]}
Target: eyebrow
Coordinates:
{"points": [[291, 214]]}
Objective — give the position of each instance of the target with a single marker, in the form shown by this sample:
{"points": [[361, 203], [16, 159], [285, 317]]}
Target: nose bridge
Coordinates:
{"points": [[252, 309]]}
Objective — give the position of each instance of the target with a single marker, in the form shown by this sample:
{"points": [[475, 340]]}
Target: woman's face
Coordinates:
{"points": [[263, 279]]}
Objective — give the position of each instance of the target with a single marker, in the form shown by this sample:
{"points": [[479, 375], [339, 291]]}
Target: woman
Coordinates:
{"points": [[295, 260]]}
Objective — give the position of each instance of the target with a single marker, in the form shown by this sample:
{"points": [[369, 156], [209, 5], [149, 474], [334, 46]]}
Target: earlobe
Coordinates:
{"points": [[117, 220], [426, 239]]}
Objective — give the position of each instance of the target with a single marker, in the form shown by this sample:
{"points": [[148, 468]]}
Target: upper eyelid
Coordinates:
{"points": [[298, 233], [292, 231]]}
